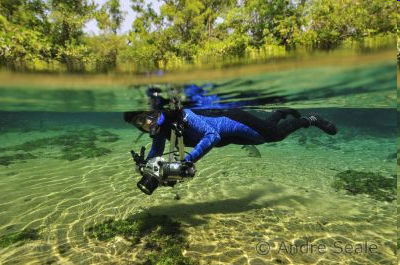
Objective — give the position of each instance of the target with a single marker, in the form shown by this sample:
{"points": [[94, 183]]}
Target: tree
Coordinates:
{"points": [[42, 34], [24, 28], [110, 17], [68, 18]]}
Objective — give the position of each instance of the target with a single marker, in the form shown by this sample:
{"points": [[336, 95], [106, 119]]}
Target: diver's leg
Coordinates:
{"points": [[288, 126], [319, 122], [289, 111], [280, 114]]}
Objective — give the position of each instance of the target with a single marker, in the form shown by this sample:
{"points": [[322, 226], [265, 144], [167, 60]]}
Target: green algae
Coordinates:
{"points": [[107, 137], [162, 237], [379, 187], [252, 151], [7, 160], [135, 227], [168, 256], [74, 145], [21, 236]]}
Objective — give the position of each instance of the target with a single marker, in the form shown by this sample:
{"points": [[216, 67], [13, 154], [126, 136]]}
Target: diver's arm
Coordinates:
{"points": [[210, 136], [202, 148], [157, 148]]}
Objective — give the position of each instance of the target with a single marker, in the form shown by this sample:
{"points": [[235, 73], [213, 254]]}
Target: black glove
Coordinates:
{"points": [[188, 168], [141, 165], [139, 159], [171, 183], [187, 164]]}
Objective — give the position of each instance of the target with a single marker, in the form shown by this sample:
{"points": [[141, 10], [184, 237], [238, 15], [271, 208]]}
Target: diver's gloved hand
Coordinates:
{"points": [[171, 183], [188, 169], [141, 165], [139, 159]]}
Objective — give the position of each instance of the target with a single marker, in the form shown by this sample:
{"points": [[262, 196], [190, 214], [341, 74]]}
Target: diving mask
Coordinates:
{"points": [[149, 122]]}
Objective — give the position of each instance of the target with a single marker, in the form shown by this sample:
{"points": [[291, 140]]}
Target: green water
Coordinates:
{"points": [[65, 169]]}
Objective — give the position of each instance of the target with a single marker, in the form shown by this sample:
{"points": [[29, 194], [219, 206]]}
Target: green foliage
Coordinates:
{"points": [[335, 21], [110, 17], [161, 235], [49, 36], [104, 52], [22, 236], [379, 187]]}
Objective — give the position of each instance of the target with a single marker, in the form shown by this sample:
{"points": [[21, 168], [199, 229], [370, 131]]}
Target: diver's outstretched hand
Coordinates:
{"points": [[188, 169], [139, 158]]}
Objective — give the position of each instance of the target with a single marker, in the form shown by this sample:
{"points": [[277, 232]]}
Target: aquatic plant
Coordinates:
{"points": [[30, 145], [107, 137], [162, 237], [74, 145], [169, 256], [7, 160], [111, 228], [252, 151], [21, 236], [379, 187], [135, 227]]}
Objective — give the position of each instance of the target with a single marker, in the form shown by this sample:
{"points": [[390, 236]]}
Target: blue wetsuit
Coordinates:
{"points": [[204, 130], [197, 97], [200, 98]]}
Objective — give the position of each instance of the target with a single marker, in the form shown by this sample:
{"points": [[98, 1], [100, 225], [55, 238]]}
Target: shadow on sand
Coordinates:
{"points": [[192, 213]]}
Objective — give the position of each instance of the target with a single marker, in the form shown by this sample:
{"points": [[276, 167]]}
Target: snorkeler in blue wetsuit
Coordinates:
{"points": [[205, 129]]}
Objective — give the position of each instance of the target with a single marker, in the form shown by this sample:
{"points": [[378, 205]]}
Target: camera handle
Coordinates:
{"points": [[176, 131], [176, 134]]}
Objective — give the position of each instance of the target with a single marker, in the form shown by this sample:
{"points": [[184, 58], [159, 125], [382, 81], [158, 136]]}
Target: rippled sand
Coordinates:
{"points": [[235, 203]]}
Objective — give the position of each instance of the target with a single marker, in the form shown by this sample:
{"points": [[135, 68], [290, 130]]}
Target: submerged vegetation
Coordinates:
{"points": [[74, 145], [163, 237], [383, 188], [9, 159], [49, 35], [22, 236]]}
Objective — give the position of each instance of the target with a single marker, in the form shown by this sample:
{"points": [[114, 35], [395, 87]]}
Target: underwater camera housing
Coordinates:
{"points": [[157, 171]]}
